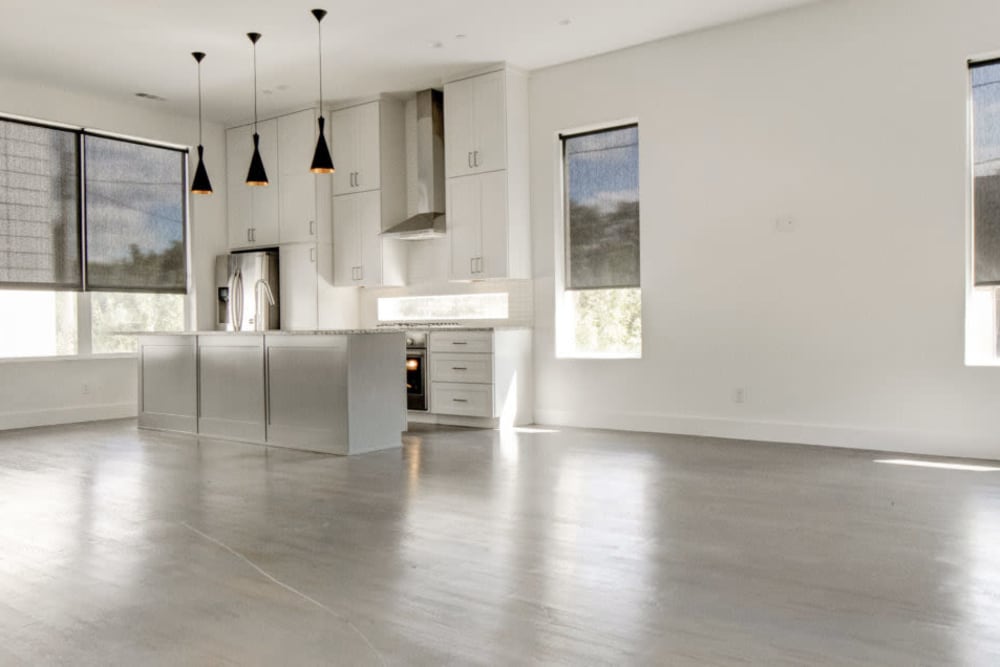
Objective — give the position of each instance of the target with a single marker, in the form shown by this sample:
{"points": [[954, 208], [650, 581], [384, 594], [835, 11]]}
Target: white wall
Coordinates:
{"points": [[51, 391], [850, 117]]}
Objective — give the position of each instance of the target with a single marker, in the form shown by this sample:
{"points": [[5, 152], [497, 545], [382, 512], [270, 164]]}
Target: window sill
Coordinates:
{"points": [[597, 356], [68, 357]]}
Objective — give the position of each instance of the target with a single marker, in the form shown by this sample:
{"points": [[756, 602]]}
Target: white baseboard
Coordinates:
{"points": [[72, 415], [964, 445]]}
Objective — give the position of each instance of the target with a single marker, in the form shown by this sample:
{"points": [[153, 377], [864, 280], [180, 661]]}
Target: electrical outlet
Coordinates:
{"points": [[740, 395]]}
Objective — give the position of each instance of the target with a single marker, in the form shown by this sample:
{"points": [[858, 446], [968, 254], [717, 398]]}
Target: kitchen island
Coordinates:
{"points": [[340, 392]]}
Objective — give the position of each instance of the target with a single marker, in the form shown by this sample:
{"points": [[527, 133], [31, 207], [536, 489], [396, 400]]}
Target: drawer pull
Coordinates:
{"points": [[459, 368], [459, 342], [460, 400]]}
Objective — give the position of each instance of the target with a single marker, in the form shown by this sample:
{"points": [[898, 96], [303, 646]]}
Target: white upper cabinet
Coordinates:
{"points": [[361, 256], [486, 144], [477, 226], [297, 134], [476, 124], [253, 211], [238, 203], [369, 193], [298, 266], [357, 148]]}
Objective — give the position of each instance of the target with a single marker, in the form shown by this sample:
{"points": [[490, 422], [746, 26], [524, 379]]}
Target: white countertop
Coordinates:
{"points": [[416, 326]]}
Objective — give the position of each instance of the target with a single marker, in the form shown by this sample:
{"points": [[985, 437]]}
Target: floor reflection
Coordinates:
{"points": [[493, 547]]}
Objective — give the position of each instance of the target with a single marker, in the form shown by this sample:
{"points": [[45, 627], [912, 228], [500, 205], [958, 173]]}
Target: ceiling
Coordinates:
{"points": [[117, 48]]}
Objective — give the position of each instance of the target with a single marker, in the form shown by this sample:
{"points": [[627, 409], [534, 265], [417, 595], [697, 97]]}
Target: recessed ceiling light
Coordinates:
{"points": [[565, 22]]}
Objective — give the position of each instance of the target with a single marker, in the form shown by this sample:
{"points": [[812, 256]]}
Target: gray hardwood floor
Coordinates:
{"points": [[546, 546]]}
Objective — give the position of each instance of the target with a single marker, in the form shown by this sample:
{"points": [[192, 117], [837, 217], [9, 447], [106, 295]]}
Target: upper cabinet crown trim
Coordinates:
{"points": [[488, 69]]}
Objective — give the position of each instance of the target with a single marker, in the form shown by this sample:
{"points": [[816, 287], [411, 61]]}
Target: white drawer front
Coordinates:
{"points": [[469, 400], [461, 367], [462, 341]]}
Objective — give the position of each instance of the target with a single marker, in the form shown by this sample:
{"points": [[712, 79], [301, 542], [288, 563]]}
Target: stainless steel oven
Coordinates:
{"points": [[416, 371]]}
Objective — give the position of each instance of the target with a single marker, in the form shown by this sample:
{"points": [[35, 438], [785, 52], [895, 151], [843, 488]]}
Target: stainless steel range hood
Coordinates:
{"points": [[429, 222]]}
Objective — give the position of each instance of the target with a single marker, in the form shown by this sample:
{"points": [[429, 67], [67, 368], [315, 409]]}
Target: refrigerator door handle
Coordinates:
{"points": [[238, 305]]}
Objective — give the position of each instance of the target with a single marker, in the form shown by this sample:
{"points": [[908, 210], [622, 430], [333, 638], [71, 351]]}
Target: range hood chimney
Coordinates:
{"points": [[429, 222]]}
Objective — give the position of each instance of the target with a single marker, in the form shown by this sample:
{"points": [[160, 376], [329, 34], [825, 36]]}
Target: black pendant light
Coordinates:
{"points": [[200, 185], [256, 175], [322, 162]]}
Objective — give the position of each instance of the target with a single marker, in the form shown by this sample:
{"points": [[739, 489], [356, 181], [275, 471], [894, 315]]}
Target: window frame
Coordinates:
{"points": [[562, 351], [81, 289]]}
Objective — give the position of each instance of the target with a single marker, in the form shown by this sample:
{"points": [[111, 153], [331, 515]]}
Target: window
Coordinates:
{"points": [[600, 310], [984, 254], [491, 306], [37, 323], [114, 313], [127, 240]]}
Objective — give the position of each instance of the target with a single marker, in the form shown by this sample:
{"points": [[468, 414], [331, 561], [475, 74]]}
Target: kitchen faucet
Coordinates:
{"points": [[256, 302]]}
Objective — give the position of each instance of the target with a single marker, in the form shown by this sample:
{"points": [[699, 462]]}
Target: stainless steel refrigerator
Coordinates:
{"points": [[247, 291]]}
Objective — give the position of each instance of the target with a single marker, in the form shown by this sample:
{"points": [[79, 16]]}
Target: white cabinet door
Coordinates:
{"points": [[464, 226], [356, 133], [168, 383], [367, 168], [298, 265], [297, 135], [307, 392], [238, 151], [231, 387], [370, 228], [459, 139], [346, 240], [265, 198], [343, 148], [490, 119], [493, 224]]}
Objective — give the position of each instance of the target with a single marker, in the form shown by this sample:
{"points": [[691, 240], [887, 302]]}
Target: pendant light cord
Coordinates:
{"points": [[319, 29], [200, 142], [255, 87]]}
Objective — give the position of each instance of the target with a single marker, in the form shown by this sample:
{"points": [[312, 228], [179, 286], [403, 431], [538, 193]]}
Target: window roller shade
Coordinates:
{"points": [[135, 212], [602, 209], [39, 207]]}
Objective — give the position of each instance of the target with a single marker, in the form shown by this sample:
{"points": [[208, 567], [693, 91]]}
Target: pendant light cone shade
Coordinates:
{"points": [[256, 175], [200, 185], [322, 162]]}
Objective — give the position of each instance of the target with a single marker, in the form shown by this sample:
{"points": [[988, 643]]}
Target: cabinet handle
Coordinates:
{"points": [[248, 235], [475, 158], [459, 368], [468, 159], [312, 255], [312, 228], [361, 273], [459, 342], [472, 265], [253, 234], [460, 400]]}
